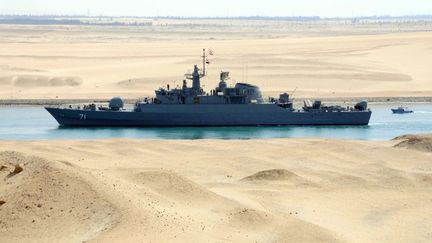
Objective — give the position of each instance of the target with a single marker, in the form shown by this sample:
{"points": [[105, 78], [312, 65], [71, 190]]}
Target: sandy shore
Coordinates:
{"points": [[277, 190]]}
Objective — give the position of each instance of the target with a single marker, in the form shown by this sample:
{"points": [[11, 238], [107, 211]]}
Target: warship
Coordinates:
{"points": [[239, 105]]}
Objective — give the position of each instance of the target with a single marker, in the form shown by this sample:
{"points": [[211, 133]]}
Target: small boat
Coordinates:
{"points": [[402, 110]]}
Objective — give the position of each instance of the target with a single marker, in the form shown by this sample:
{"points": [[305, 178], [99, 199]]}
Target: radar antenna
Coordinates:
{"points": [[224, 76], [205, 61]]}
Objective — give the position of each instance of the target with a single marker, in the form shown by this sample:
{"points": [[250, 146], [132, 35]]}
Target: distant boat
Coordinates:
{"points": [[402, 110]]}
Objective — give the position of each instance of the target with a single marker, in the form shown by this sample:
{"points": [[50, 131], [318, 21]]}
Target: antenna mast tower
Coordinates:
{"points": [[204, 57], [205, 60]]}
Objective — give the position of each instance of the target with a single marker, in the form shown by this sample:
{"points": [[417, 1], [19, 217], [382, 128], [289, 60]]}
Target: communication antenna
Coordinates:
{"points": [[205, 59], [247, 73], [245, 69], [243, 73], [292, 93], [188, 75]]}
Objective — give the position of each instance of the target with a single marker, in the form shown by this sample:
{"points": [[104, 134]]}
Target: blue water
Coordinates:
{"points": [[34, 123]]}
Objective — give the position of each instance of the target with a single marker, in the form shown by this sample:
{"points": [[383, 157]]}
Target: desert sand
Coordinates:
{"points": [[98, 62], [267, 190], [278, 190]]}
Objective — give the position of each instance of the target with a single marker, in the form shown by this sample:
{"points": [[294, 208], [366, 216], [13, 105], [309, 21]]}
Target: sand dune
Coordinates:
{"points": [[18, 69], [89, 66], [47, 201], [37, 81], [278, 190], [275, 174], [416, 142], [174, 187]]}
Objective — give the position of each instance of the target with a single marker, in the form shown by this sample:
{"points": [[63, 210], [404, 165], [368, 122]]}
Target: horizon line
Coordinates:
{"points": [[221, 17]]}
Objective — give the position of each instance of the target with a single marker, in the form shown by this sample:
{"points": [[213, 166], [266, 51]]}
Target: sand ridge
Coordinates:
{"points": [[46, 201], [36, 81], [271, 175], [416, 142], [269, 190]]}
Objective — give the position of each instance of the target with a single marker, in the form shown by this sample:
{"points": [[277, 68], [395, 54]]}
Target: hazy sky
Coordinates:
{"points": [[324, 8]]}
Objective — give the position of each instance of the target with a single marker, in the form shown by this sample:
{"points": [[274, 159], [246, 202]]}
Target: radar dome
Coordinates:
{"points": [[116, 103], [362, 105]]}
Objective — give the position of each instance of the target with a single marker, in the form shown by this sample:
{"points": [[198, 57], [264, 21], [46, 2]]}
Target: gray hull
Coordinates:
{"points": [[396, 111], [207, 115]]}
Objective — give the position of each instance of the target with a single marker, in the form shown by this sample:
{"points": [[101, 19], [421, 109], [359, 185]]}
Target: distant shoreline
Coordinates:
{"points": [[151, 21], [37, 102]]}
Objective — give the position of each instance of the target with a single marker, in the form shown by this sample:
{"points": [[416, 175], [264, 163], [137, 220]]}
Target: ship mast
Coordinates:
{"points": [[204, 57], [205, 60]]}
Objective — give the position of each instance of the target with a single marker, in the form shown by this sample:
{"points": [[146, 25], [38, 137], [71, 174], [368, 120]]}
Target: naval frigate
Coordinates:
{"points": [[239, 105]]}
